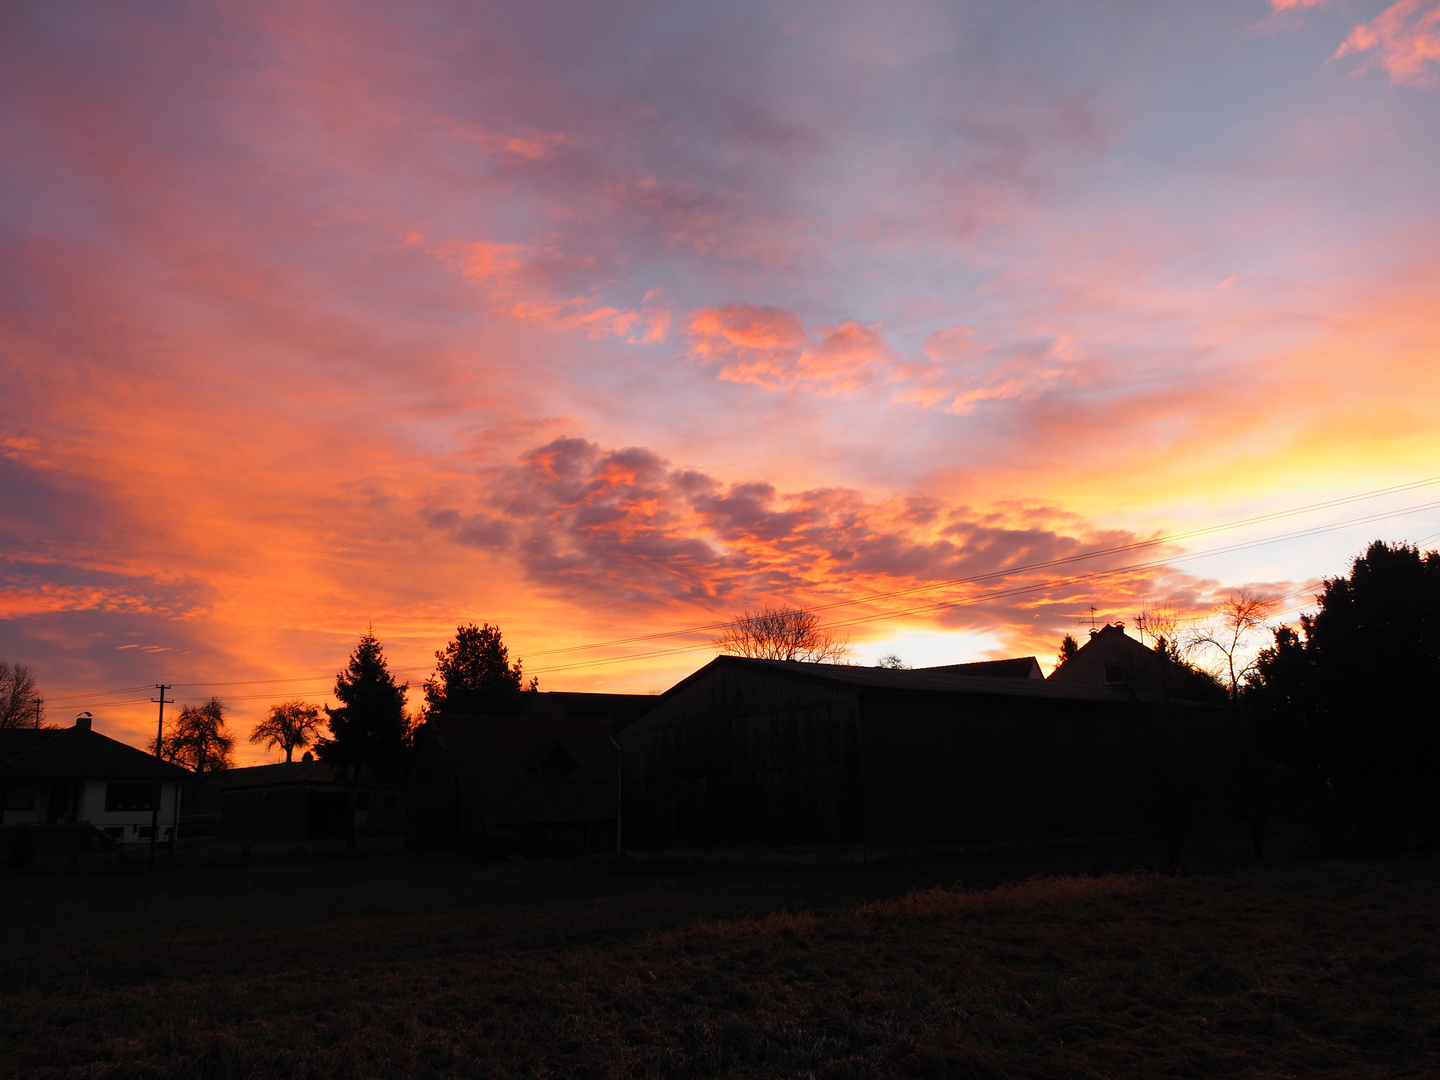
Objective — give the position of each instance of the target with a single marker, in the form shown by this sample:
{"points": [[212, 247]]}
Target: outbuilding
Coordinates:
{"points": [[773, 760]]}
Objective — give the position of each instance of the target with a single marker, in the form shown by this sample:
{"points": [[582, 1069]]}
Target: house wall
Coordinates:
{"points": [[742, 758], [124, 826]]}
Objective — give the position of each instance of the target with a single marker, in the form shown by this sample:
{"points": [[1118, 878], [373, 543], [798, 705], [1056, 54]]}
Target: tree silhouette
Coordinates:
{"points": [[291, 725], [1237, 617], [18, 695], [1356, 698], [198, 740], [369, 731], [781, 634], [1068, 648], [473, 674]]}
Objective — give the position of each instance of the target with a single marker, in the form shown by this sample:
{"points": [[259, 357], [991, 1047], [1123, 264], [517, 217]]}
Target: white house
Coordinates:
{"points": [[76, 775]]}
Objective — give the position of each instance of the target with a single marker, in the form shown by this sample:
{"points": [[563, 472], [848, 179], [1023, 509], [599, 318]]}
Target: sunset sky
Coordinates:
{"points": [[598, 321]]}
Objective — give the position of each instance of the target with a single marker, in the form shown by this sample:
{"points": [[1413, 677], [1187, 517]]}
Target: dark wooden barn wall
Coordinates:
{"points": [[740, 759], [952, 771], [431, 810]]}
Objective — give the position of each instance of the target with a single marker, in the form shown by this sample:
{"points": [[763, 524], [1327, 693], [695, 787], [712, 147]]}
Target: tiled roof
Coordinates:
{"points": [[518, 769], [575, 704], [77, 752], [501, 749]]}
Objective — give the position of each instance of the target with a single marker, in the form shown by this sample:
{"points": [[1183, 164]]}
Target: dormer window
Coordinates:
{"points": [[1114, 674]]}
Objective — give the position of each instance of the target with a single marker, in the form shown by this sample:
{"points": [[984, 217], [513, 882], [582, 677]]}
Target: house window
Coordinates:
{"points": [[130, 796], [19, 798], [1114, 674]]}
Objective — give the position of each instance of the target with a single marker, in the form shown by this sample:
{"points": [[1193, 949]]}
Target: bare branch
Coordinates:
{"points": [[782, 634]]}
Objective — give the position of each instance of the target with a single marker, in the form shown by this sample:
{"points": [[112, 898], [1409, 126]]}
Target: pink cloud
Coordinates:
{"points": [[1286, 5], [1404, 39], [769, 347]]}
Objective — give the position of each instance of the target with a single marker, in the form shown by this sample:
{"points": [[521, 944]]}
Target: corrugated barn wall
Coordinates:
{"points": [[744, 758]]}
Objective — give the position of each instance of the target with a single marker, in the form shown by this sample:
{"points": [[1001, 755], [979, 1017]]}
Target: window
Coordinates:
{"points": [[130, 796], [145, 832], [19, 798], [1114, 674]]}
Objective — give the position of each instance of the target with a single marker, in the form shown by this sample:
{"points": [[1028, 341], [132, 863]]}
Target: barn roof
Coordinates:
{"points": [[948, 679], [573, 703], [77, 752], [502, 749]]}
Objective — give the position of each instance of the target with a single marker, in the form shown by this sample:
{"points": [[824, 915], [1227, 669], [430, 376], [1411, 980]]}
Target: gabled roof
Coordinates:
{"points": [[949, 679], [513, 749], [1137, 669], [531, 769], [77, 753], [578, 704]]}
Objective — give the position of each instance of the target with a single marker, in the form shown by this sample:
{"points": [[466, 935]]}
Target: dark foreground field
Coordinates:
{"points": [[377, 965]]}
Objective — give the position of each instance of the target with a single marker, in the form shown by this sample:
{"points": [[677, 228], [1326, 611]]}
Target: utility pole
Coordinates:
{"points": [[155, 802], [37, 702]]}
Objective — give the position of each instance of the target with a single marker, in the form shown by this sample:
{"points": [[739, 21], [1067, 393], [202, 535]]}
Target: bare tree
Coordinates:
{"points": [[291, 725], [892, 662], [20, 704], [1239, 615], [1159, 622], [198, 740], [782, 634]]}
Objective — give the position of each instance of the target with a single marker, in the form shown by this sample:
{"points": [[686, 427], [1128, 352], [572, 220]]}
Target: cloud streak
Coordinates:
{"points": [[1404, 39]]}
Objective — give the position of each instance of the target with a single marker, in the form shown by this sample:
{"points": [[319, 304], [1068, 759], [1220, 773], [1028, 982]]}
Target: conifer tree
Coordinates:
{"points": [[369, 731], [473, 674]]}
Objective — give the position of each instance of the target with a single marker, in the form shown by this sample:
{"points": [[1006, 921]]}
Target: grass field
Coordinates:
{"points": [[379, 965]]}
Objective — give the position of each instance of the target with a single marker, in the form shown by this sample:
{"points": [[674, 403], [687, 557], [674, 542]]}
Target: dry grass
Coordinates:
{"points": [[590, 968]]}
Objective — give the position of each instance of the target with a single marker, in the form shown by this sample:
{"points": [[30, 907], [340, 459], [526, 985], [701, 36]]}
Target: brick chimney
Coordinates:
{"points": [[82, 722]]}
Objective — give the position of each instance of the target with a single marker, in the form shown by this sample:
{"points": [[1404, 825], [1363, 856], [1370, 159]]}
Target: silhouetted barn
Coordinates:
{"points": [[492, 786], [776, 760]]}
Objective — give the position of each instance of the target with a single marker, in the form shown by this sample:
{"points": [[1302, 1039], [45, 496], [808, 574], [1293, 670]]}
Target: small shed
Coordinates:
{"points": [[299, 801], [75, 775], [493, 786], [772, 760]]}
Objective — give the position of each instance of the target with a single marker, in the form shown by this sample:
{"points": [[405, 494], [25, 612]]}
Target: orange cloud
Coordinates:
{"points": [[769, 347], [1404, 39]]}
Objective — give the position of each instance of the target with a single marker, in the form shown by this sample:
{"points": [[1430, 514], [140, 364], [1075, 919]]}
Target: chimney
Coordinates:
{"points": [[82, 722]]}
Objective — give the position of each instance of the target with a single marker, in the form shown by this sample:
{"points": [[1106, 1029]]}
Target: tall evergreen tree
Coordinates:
{"points": [[473, 674], [369, 731]]}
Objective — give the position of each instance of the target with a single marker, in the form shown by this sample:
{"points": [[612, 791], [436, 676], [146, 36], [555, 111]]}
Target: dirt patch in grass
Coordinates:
{"points": [[592, 968]]}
